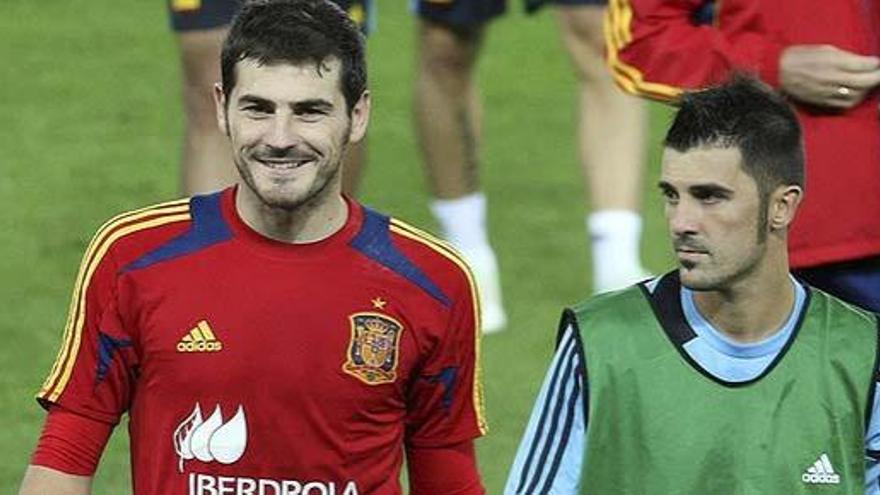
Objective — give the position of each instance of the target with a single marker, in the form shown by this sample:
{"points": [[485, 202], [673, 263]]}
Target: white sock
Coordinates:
{"points": [[615, 236], [463, 222]]}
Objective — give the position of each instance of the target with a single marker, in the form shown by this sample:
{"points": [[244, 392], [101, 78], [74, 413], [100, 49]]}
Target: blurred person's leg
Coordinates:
{"points": [[448, 124], [363, 13], [611, 143], [205, 164], [201, 26]]}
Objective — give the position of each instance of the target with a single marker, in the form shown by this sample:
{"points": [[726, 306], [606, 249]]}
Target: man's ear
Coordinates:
{"points": [[360, 118], [220, 106], [783, 205]]}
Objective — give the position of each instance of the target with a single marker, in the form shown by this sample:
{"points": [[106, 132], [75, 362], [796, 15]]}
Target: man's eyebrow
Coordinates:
{"points": [[254, 99], [665, 186], [312, 104], [710, 189]]}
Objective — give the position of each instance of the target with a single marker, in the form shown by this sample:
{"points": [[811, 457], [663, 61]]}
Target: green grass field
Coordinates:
{"points": [[91, 123]]}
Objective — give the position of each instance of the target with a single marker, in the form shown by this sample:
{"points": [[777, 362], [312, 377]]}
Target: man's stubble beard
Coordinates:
{"points": [[311, 197]]}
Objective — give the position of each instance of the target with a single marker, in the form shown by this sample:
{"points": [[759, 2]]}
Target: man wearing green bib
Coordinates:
{"points": [[727, 375]]}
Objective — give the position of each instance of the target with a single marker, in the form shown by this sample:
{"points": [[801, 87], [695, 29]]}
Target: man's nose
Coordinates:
{"points": [[283, 133], [683, 217]]}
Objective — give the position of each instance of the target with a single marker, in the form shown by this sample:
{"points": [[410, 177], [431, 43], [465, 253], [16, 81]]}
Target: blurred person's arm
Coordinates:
{"points": [[657, 49], [39, 480], [826, 76]]}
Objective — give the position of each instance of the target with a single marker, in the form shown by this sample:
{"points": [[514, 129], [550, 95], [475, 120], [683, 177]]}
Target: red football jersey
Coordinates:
{"points": [[252, 366]]}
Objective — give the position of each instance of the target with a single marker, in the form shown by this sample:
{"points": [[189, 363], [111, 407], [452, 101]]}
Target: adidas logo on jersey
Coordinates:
{"points": [[200, 339], [821, 472]]}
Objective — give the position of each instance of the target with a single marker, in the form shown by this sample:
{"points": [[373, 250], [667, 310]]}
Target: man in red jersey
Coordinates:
{"points": [[276, 338]]}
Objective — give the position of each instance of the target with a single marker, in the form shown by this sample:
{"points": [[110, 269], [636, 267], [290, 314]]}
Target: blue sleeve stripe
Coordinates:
{"points": [[207, 229], [872, 446], [553, 437], [545, 436], [374, 241], [571, 411], [565, 349], [107, 348], [872, 429]]}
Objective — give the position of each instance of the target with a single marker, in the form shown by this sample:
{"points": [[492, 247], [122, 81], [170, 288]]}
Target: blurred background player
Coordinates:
{"points": [[829, 70], [448, 120], [200, 26]]}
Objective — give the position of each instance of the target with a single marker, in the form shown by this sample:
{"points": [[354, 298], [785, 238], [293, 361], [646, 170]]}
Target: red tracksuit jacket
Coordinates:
{"points": [[656, 49]]}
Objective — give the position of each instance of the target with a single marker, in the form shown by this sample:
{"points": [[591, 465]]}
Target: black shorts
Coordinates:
{"points": [[197, 15], [533, 5], [468, 13], [459, 13]]}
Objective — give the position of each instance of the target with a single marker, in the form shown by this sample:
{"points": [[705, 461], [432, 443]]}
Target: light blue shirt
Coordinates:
{"points": [[550, 457]]}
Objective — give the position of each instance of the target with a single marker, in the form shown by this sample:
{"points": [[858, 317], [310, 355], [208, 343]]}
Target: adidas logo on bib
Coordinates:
{"points": [[821, 473]]}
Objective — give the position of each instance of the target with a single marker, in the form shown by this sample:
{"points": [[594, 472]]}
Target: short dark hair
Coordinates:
{"points": [[746, 114], [294, 32]]}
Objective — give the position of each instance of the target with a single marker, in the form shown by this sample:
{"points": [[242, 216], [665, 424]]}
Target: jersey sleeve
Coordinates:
{"points": [[872, 441], [450, 469], [71, 443], [92, 374], [445, 400], [551, 451], [657, 48]]}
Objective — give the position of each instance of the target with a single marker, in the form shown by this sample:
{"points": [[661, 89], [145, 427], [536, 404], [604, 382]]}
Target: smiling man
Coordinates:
{"points": [[726, 375], [276, 338]]}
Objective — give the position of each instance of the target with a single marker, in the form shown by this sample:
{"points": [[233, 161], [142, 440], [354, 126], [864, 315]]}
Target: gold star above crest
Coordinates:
{"points": [[379, 303]]}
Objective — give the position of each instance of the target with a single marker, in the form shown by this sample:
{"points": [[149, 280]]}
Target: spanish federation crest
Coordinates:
{"points": [[373, 350]]}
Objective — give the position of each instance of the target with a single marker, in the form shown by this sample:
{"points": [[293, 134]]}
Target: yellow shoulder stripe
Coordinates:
{"points": [[618, 33], [114, 229], [446, 250]]}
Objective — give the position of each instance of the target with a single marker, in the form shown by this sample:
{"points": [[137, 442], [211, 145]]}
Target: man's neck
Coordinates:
{"points": [[312, 221], [749, 311]]}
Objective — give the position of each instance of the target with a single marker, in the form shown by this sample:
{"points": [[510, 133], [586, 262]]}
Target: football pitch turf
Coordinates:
{"points": [[91, 124]]}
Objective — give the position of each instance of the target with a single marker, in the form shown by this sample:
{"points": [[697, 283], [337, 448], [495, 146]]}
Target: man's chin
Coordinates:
{"points": [[286, 202], [692, 278]]}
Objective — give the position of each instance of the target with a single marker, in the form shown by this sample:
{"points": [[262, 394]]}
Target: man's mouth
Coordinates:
{"points": [[690, 256], [691, 251], [688, 247], [285, 163]]}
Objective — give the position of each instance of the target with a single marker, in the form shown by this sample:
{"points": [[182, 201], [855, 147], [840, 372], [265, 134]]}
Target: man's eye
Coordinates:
{"points": [[709, 197], [311, 113], [670, 196]]}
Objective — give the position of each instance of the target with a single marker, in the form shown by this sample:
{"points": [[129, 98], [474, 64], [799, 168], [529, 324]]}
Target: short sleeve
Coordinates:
{"points": [[445, 401], [551, 453], [92, 374]]}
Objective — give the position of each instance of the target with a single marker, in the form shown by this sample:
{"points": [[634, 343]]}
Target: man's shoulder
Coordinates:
{"points": [[612, 302], [414, 253], [132, 233], [424, 247], [607, 312], [827, 307]]}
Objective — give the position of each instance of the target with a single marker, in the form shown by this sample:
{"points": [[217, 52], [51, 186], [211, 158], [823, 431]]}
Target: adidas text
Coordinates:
{"points": [[205, 484], [820, 479], [213, 346]]}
